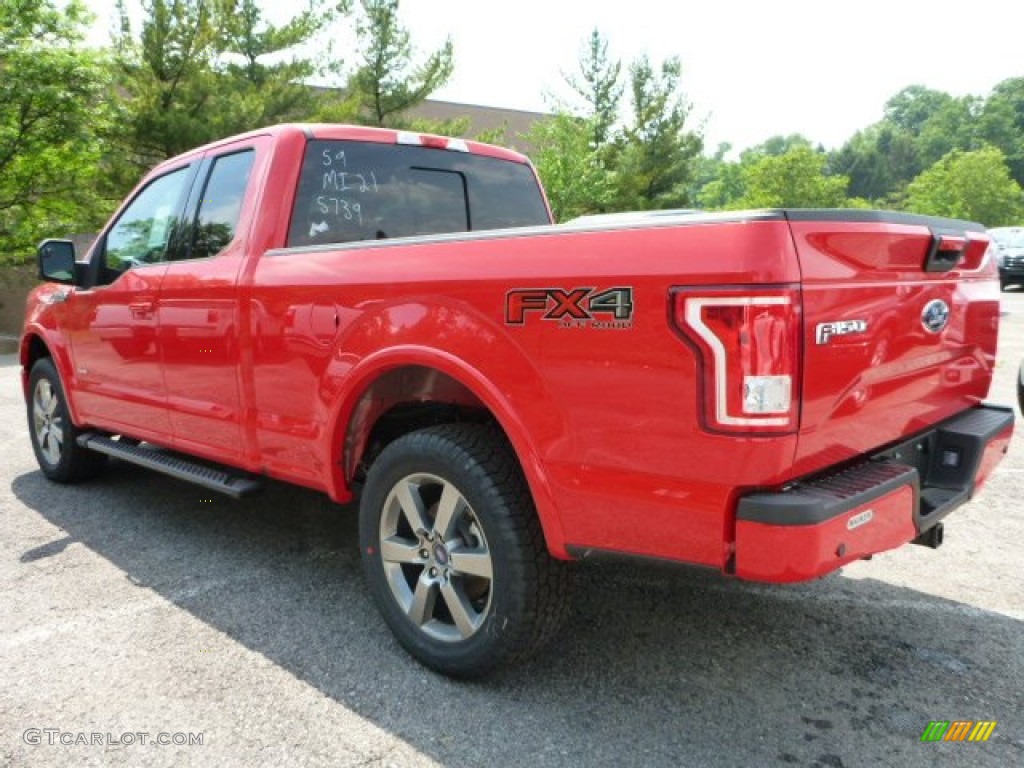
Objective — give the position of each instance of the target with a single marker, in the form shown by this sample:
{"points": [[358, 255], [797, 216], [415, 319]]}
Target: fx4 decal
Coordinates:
{"points": [[573, 308]]}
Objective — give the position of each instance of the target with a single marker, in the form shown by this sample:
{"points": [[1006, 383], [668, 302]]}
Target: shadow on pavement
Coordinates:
{"points": [[657, 666]]}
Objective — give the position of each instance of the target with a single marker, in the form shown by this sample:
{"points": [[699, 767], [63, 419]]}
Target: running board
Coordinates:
{"points": [[173, 464]]}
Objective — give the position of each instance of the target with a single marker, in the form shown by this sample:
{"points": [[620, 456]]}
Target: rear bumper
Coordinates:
{"points": [[823, 522]]}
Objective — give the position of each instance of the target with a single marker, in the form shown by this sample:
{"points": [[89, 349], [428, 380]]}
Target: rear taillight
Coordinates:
{"points": [[749, 340]]}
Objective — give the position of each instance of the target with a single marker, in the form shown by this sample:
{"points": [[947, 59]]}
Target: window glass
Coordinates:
{"points": [[352, 191], [221, 204], [144, 229]]}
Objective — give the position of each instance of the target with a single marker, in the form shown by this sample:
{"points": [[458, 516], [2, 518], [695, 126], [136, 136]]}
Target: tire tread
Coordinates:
{"points": [[485, 454]]}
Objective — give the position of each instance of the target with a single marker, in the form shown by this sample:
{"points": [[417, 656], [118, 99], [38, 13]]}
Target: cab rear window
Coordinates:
{"points": [[350, 191]]}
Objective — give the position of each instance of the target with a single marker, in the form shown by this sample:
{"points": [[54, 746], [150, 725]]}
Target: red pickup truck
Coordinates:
{"points": [[360, 311]]}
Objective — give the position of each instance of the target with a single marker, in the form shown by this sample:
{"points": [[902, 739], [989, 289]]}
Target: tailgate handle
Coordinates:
{"points": [[946, 251]]}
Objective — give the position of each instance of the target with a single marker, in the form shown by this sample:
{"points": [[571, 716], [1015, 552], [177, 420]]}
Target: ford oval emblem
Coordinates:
{"points": [[935, 316]]}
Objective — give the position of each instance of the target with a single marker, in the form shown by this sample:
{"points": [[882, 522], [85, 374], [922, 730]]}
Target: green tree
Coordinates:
{"points": [[50, 109], [261, 83], [1002, 123], [656, 151], [880, 161], [650, 160], [724, 190], [165, 81], [777, 145], [388, 83], [795, 179], [969, 185], [954, 125], [599, 85], [912, 107], [708, 173], [574, 178], [199, 70], [575, 150]]}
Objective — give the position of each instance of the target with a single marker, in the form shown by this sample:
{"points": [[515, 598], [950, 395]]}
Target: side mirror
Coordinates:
{"points": [[56, 260]]}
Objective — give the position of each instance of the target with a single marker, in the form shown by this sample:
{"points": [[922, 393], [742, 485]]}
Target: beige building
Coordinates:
{"points": [[515, 122]]}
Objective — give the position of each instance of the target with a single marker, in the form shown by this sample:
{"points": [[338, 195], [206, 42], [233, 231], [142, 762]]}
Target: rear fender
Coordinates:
{"points": [[472, 351]]}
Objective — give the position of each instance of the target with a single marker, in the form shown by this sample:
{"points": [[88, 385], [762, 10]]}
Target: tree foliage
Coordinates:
{"points": [[199, 70], [794, 179], [574, 177], [50, 110], [656, 150], [78, 127], [388, 81], [599, 85], [969, 185], [643, 159], [1003, 123], [777, 145], [263, 79], [921, 126]]}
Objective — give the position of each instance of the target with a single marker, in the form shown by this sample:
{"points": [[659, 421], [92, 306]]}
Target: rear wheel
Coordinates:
{"points": [[1020, 387], [52, 433], [454, 554]]}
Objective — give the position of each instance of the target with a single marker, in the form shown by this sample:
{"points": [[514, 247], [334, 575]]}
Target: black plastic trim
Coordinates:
{"points": [[941, 259], [175, 465], [916, 462], [820, 499], [616, 557], [881, 217]]}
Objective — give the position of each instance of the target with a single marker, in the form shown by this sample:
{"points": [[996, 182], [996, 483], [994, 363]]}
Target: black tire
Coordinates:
{"points": [[53, 435], [523, 603], [1020, 388]]}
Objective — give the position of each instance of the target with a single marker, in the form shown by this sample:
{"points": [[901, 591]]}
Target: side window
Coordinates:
{"points": [[221, 204], [142, 232]]}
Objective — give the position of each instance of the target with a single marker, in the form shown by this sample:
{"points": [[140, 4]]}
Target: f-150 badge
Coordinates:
{"points": [[824, 332], [572, 308]]}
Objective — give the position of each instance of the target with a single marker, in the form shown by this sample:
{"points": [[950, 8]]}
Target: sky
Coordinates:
{"points": [[750, 69]]}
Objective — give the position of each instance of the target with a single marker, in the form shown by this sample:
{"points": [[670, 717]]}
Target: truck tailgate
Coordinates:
{"points": [[901, 317]]}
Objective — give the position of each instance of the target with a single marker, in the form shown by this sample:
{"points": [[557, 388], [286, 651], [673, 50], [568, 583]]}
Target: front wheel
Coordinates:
{"points": [[51, 431], [454, 554]]}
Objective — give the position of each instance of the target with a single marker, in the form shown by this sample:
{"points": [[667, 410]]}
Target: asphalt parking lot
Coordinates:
{"points": [[136, 605]]}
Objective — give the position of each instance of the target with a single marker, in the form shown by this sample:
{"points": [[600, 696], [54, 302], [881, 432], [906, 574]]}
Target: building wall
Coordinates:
{"points": [[515, 122]]}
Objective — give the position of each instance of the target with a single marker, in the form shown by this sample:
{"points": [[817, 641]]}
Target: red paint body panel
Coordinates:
{"points": [[610, 415], [896, 379], [993, 454], [259, 358], [785, 553]]}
